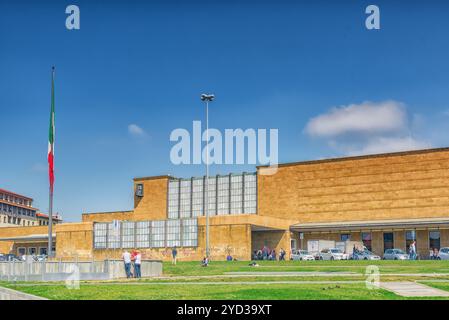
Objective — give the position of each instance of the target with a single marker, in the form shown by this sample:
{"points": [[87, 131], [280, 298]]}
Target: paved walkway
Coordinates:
{"points": [[413, 289], [9, 294]]}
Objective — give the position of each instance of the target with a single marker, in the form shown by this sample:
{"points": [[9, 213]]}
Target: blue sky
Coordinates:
{"points": [[304, 68]]}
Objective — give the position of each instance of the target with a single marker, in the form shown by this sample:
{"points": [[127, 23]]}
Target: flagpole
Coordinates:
{"points": [[50, 206]]}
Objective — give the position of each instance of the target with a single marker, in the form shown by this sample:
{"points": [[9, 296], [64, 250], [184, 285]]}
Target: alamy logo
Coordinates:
{"points": [[228, 150], [372, 274]]}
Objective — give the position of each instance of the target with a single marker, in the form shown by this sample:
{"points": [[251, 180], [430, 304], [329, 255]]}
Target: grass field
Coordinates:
{"points": [[271, 280]]}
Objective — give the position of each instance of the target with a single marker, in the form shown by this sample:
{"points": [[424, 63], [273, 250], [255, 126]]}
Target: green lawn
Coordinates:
{"points": [[185, 281], [206, 292], [221, 267]]}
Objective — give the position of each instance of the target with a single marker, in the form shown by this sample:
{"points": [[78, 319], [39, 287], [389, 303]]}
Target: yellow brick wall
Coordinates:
{"points": [[273, 240], [107, 216], [153, 205], [74, 240], [408, 185]]}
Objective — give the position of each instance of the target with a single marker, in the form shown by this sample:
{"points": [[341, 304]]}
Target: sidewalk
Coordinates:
{"points": [[9, 294]]}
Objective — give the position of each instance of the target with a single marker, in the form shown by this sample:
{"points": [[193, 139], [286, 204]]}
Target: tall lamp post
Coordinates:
{"points": [[207, 98]]}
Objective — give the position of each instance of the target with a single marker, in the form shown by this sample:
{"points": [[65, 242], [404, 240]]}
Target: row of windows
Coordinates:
{"points": [[17, 221], [18, 200], [230, 194], [146, 234], [11, 209], [388, 239]]}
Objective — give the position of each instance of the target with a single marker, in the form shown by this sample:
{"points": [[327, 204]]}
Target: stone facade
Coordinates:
{"points": [[403, 186]]}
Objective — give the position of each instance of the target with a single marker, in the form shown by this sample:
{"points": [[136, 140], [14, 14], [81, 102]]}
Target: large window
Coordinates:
{"points": [[223, 195], [250, 193], [236, 194], [189, 233], [211, 190], [388, 240], [185, 209], [434, 240], [230, 194], [128, 234], [100, 235], [173, 233], [345, 237], [143, 234], [173, 199], [410, 236], [367, 240], [114, 230], [146, 234], [197, 197], [158, 234]]}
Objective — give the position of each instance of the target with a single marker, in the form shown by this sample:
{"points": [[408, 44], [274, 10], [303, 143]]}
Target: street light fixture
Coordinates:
{"points": [[207, 98]]}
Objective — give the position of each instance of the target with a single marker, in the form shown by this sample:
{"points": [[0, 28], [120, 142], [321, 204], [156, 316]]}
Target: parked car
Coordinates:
{"points": [[2, 257], [443, 254], [11, 257], [332, 254], [365, 255], [395, 254], [41, 257], [301, 255]]}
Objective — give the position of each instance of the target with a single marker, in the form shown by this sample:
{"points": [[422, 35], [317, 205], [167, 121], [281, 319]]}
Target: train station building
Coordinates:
{"points": [[385, 200]]}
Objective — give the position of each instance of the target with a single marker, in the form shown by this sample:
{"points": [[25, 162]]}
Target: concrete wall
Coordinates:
{"points": [[404, 185]]}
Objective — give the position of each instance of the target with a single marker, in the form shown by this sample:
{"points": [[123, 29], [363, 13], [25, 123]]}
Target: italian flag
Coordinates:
{"points": [[51, 134]]}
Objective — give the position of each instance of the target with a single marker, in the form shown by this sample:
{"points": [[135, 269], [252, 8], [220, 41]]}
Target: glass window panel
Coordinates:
{"points": [[173, 199], [128, 234], [185, 198], [173, 233], [100, 235], [114, 234], [197, 197], [211, 190], [223, 195], [143, 234], [434, 240], [190, 233], [158, 234], [236, 194]]}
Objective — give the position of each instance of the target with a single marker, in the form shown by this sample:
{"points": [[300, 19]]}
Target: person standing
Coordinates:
{"points": [[174, 253], [412, 250], [127, 261], [282, 255], [137, 265]]}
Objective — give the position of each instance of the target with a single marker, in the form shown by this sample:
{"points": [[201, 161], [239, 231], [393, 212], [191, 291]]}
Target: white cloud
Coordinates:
{"points": [[136, 131], [367, 117], [390, 144], [367, 128]]}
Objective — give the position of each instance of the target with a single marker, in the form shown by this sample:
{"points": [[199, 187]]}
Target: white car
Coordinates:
{"points": [[365, 255], [395, 254], [443, 254], [332, 254], [301, 255]]}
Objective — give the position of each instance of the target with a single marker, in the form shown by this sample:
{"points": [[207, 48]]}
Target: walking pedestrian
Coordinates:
{"points": [[174, 253]]}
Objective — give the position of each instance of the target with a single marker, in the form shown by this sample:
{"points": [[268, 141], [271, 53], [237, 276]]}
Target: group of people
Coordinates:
{"points": [[135, 259], [268, 254]]}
